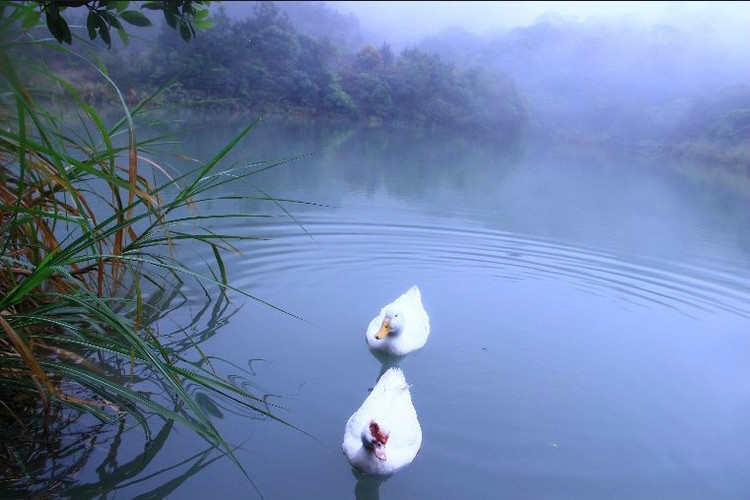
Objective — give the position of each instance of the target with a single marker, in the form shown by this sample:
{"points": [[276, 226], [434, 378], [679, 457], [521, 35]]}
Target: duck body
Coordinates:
{"points": [[384, 434], [401, 327]]}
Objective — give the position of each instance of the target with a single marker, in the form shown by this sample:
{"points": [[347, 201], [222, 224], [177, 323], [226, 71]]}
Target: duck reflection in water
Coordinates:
{"points": [[367, 487]]}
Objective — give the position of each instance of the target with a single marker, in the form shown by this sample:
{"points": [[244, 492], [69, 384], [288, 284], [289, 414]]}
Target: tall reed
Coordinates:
{"points": [[89, 226]]}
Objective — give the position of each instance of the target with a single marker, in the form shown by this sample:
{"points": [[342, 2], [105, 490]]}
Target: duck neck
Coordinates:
{"points": [[365, 459]]}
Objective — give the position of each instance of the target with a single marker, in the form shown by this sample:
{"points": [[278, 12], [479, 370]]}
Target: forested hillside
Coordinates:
{"points": [[263, 63]]}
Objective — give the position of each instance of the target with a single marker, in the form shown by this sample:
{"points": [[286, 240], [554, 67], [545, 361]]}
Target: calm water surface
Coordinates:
{"points": [[590, 322]]}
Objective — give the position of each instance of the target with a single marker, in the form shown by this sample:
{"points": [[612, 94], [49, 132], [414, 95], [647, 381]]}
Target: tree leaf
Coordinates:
{"points": [[104, 33], [123, 35], [171, 18], [119, 5], [57, 25], [185, 32], [112, 20], [135, 18], [103, 28], [91, 25], [53, 28], [67, 36]]}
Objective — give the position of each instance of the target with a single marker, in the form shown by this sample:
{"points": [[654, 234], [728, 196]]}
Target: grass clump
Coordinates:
{"points": [[89, 228]]}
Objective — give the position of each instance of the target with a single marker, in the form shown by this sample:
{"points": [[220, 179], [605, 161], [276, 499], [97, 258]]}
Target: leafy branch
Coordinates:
{"points": [[186, 16]]}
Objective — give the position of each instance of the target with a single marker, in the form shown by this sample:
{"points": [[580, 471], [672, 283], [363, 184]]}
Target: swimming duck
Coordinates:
{"points": [[384, 434], [401, 327]]}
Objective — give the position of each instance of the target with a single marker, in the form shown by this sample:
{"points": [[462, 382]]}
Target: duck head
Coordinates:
{"points": [[393, 322], [374, 438]]}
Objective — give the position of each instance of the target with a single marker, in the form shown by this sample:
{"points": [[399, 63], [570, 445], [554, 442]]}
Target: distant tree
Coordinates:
{"points": [[321, 20], [714, 130], [724, 115], [268, 14], [369, 59], [387, 55], [380, 101]]}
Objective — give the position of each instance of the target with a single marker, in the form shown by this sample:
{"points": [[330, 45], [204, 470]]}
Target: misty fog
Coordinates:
{"points": [[403, 23]]}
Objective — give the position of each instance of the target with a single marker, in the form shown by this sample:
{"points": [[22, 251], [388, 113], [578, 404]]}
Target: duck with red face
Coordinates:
{"points": [[384, 434]]}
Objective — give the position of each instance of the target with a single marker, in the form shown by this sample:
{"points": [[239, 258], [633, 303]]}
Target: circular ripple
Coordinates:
{"points": [[332, 247]]}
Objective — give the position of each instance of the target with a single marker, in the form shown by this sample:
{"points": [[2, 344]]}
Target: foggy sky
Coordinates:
{"points": [[407, 22]]}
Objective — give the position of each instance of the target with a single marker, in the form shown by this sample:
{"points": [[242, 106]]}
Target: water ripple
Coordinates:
{"points": [[336, 248]]}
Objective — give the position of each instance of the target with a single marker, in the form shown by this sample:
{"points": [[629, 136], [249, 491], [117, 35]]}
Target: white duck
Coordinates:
{"points": [[401, 327], [384, 435]]}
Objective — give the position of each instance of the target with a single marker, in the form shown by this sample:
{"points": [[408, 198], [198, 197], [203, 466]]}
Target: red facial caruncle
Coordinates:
{"points": [[377, 433]]}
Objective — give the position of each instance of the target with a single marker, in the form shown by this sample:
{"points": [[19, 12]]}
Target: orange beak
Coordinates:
{"points": [[385, 329]]}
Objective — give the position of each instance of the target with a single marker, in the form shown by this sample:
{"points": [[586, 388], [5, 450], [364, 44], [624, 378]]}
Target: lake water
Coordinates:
{"points": [[590, 322]]}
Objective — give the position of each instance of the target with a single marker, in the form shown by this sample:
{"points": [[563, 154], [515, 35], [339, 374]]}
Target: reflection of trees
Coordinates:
{"points": [[410, 162], [413, 162], [41, 456]]}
